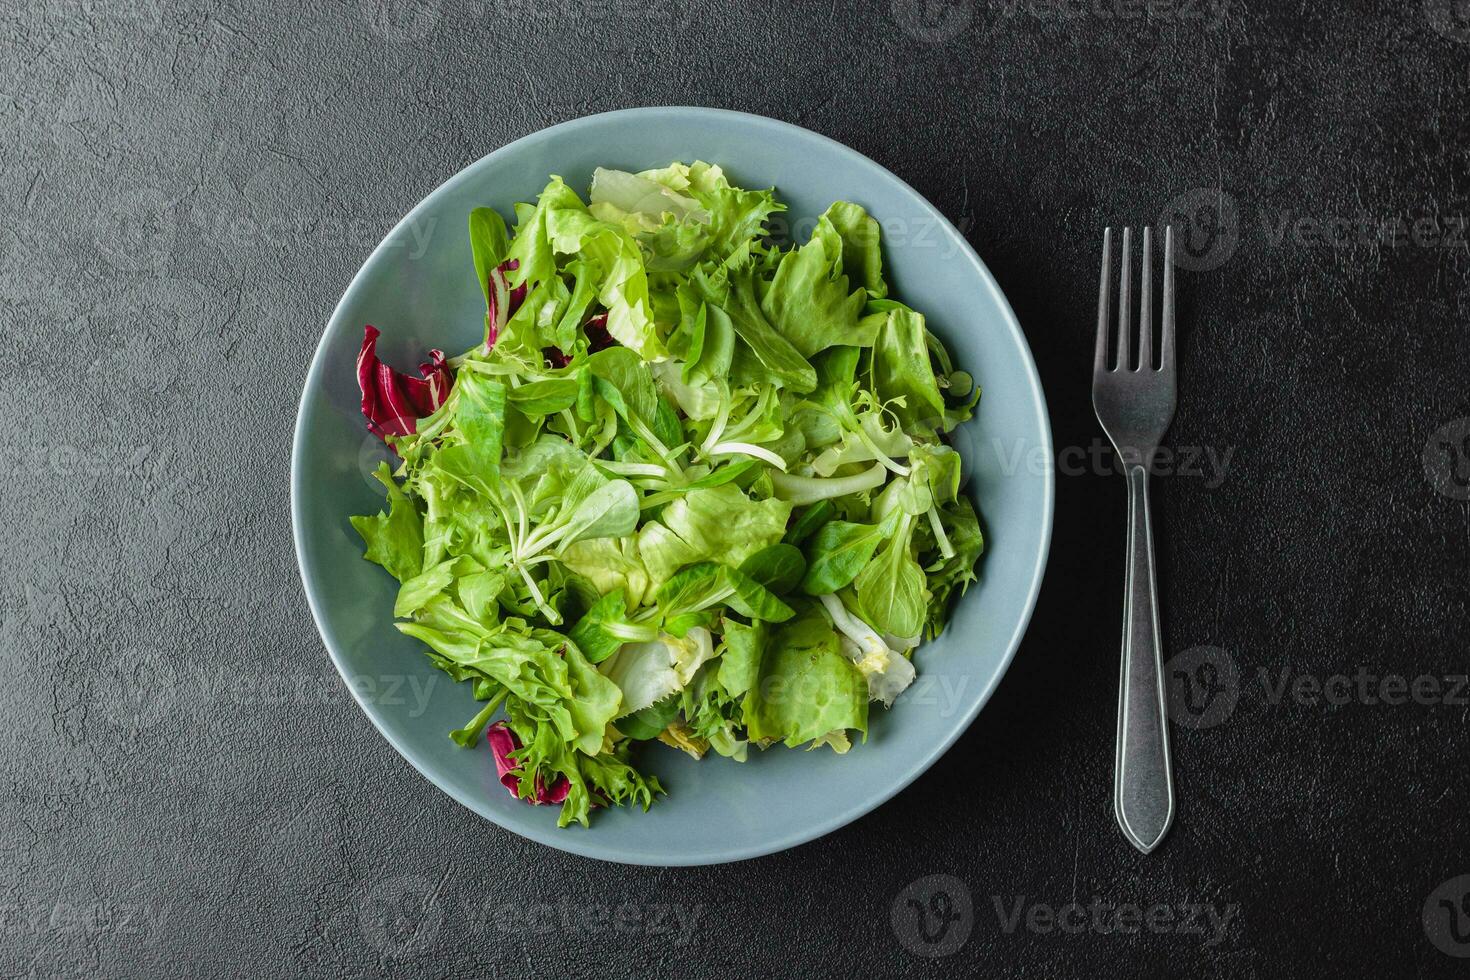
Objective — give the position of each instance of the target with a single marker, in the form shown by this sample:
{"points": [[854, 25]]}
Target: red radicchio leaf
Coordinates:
{"points": [[393, 402], [596, 331], [503, 301], [503, 742], [555, 358]]}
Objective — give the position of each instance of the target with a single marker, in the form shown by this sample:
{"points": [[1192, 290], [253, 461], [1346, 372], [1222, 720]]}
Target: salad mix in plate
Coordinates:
{"points": [[691, 486]]}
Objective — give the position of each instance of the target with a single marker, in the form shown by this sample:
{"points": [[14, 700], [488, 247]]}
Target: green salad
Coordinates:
{"points": [[692, 486]]}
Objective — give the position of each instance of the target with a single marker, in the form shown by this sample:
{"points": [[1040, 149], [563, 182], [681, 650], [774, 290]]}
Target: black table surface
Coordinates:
{"points": [[188, 787]]}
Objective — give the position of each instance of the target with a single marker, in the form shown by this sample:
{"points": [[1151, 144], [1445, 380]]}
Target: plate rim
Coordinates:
{"points": [[586, 845]]}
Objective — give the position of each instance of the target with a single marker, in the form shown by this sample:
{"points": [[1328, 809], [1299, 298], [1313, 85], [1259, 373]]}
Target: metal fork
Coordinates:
{"points": [[1135, 405]]}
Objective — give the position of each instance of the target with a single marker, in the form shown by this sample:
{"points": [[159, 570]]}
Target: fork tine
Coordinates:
{"points": [[1125, 302], [1145, 306], [1104, 293], [1166, 335]]}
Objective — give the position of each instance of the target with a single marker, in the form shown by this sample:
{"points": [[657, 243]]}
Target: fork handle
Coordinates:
{"points": [[1143, 789]]}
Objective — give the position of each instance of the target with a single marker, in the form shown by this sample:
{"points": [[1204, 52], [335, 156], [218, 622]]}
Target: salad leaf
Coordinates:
{"points": [[416, 592], [605, 627], [610, 564], [474, 457], [489, 242], [740, 663], [392, 402], [624, 289], [853, 236], [717, 523], [531, 248], [545, 397], [890, 589], [648, 672], [838, 553], [902, 376], [394, 540], [777, 567], [809, 303], [806, 688], [505, 744], [646, 723], [782, 362], [950, 577], [811, 520]]}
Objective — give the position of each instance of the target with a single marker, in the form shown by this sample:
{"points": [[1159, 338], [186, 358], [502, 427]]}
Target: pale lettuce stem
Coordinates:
{"points": [[510, 531], [945, 548], [552, 616], [539, 541], [717, 598], [631, 469], [572, 429], [849, 625], [431, 426], [674, 472], [629, 633], [523, 518], [718, 428], [646, 434], [878, 454], [748, 449], [659, 499], [808, 489]]}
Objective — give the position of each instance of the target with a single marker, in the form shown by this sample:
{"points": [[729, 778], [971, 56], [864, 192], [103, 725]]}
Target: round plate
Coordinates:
{"points": [[418, 287]]}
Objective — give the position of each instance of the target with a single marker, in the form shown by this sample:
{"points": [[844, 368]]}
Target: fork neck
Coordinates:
{"points": [[1132, 458], [1137, 476]]}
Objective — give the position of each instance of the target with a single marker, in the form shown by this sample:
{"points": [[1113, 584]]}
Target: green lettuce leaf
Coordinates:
{"points": [[808, 302], [489, 243], [623, 279], [806, 688], [473, 455], [852, 235], [531, 248], [901, 374], [891, 592], [394, 540], [715, 524]]}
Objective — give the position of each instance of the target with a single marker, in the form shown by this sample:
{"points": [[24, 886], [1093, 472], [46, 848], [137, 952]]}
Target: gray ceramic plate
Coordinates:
{"points": [[419, 289]]}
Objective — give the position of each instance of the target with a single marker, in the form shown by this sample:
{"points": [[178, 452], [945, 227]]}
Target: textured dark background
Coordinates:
{"points": [[187, 190]]}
